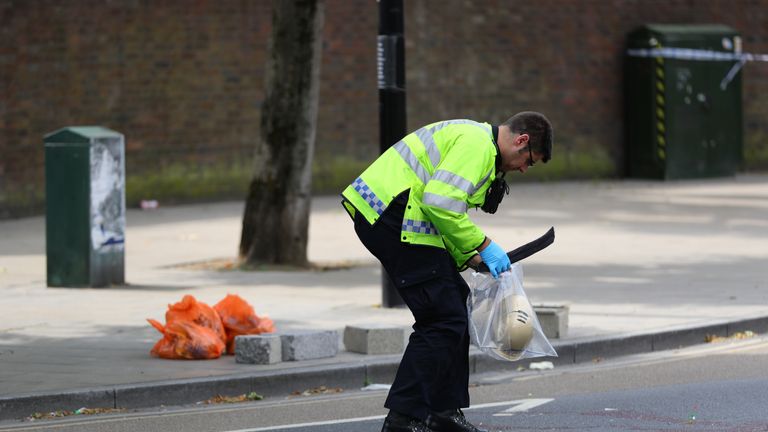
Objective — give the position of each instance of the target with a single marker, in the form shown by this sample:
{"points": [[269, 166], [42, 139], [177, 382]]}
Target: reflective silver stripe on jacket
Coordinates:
{"points": [[412, 161], [459, 182], [454, 180], [426, 137], [441, 125], [482, 182], [444, 203], [420, 227], [367, 194]]}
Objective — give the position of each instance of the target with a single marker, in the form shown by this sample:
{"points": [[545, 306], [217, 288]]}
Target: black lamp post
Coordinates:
{"points": [[391, 73]]}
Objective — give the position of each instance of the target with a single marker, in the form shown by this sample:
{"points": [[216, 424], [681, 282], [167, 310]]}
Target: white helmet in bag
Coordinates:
{"points": [[513, 326]]}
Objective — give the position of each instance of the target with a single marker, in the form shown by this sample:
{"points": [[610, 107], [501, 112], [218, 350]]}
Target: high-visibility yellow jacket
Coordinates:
{"points": [[448, 167]]}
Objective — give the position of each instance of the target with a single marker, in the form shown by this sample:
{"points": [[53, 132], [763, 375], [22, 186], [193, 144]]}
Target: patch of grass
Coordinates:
{"points": [[331, 174], [756, 152], [189, 183], [182, 182], [23, 202], [569, 164]]}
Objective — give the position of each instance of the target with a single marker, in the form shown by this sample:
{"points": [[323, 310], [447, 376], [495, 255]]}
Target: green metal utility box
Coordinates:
{"points": [[682, 117], [85, 207]]}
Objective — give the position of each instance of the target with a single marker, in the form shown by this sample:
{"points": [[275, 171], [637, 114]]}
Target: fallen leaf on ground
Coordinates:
{"points": [[736, 336], [317, 391], [219, 399], [67, 413]]}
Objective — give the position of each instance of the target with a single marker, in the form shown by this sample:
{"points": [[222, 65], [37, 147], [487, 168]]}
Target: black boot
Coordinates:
{"points": [[396, 422], [451, 421]]}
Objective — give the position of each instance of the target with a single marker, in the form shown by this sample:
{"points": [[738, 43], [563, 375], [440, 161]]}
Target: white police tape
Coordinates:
{"points": [[701, 55], [695, 54]]}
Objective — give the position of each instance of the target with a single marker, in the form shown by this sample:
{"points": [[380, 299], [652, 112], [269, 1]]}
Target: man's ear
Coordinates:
{"points": [[522, 140]]}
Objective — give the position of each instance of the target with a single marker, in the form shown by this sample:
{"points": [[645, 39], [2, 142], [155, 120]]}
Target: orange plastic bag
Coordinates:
{"points": [[239, 318], [189, 309], [186, 340], [193, 330]]}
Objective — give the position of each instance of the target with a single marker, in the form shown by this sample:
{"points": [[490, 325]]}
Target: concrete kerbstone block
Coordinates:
{"points": [[553, 320], [374, 339], [258, 349], [308, 345]]}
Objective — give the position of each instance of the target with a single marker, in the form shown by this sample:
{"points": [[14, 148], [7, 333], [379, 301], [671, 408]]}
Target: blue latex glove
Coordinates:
{"points": [[495, 258]]}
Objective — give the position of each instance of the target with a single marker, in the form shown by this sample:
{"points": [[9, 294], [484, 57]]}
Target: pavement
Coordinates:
{"points": [[643, 265]]}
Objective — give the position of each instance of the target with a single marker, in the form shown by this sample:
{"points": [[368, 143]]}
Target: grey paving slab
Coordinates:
{"points": [[309, 345], [258, 349], [374, 339]]}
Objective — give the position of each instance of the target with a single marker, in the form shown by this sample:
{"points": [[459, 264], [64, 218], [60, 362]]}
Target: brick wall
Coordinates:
{"points": [[182, 79], [563, 58]]}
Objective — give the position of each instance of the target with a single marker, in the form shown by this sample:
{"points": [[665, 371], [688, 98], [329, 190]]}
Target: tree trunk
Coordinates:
{"points": [[276, 219]]}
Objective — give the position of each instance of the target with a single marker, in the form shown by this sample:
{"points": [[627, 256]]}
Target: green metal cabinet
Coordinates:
{"points": [[85, 207], [679, 121]]}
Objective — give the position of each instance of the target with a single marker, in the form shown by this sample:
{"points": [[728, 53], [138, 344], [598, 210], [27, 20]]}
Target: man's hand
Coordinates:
{"points": [[494, 257]]}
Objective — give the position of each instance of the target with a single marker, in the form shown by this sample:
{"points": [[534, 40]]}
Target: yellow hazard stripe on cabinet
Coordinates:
{"points": [[661, 142]]}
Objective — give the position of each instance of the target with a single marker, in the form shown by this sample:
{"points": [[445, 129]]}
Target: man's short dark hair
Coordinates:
{"points": [[538, 128]]}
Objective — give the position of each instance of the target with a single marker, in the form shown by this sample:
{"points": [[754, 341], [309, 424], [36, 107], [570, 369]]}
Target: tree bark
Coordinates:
{"points": [[276, 218]]}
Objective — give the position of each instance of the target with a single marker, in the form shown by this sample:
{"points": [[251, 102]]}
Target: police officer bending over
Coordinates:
{"points": [[410, 211]]}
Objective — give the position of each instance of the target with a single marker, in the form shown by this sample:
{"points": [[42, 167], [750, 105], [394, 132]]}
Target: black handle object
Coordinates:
{"points": [[524, 251]]}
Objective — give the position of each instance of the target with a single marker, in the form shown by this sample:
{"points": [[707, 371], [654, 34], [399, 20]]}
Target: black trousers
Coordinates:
{"points": [[434, 372]]}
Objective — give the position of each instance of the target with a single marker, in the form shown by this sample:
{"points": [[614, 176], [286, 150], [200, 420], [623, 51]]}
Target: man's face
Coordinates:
{"points": [[519, 156]]}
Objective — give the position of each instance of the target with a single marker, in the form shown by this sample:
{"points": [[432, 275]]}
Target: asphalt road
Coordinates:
{"points": [[715, 387]]}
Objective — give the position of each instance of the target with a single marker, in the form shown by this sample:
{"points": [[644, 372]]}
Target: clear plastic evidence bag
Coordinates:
{"points": [[502, 322]]}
